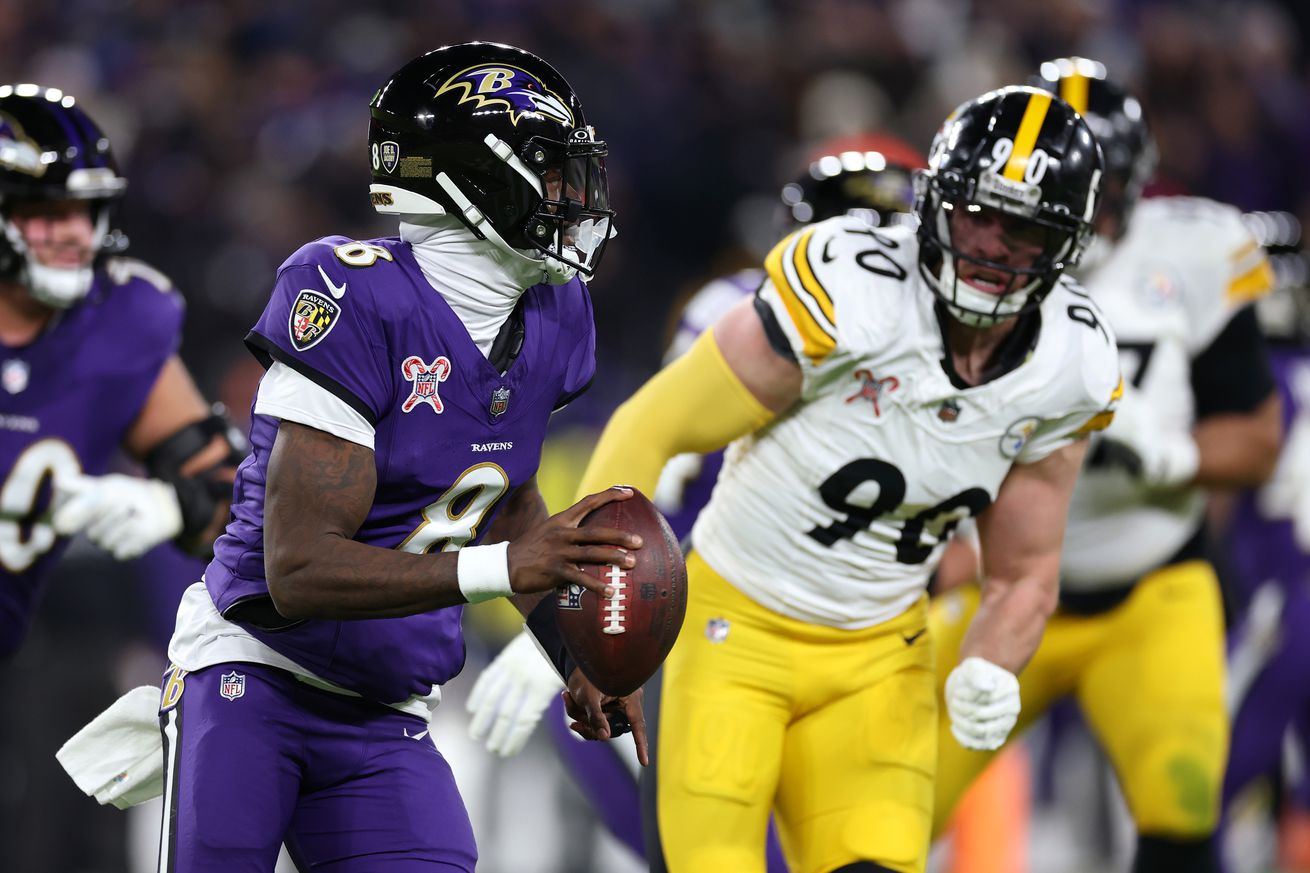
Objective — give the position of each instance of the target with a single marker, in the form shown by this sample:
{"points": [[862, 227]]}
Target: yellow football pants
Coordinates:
{"points": [[833, 729], [1149, 677]]}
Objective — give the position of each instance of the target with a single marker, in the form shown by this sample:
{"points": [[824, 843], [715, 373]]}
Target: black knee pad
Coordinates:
{"points": [[863, 867], [1165, 855]]}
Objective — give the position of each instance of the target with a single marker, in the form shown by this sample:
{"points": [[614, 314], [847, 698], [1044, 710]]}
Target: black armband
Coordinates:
{"points": [[772, 330], [198, 495], [543, 626]]}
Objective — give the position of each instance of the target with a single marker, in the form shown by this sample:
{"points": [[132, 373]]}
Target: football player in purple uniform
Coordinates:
{"points": [[398, 427], [866, 175], [88, 366]]}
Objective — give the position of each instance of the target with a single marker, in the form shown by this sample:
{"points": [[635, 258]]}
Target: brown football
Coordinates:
{"points": [[619, 643]]}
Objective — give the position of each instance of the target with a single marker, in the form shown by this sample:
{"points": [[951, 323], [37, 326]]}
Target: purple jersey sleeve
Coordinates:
{"points": [[142, 305], [321, 325]]}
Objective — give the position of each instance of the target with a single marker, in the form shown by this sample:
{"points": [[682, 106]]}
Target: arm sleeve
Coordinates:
{"points": [[1232, 374], [696, 404], [335, 343]]}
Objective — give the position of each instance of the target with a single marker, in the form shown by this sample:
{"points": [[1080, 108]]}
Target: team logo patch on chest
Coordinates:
{"points": [[425, 379], [872, 389], [14, 375], [313, 316]]}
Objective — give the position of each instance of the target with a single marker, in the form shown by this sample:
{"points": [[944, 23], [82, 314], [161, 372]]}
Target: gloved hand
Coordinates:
{"points": [[511, 694], [124, 515], [1156, 454], [983, 702]]}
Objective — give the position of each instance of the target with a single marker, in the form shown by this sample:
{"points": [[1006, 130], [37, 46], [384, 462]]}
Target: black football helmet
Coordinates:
{"points": [[868, 175], [1120, 128], [1025, 153], [495, 136], [50, 150]]}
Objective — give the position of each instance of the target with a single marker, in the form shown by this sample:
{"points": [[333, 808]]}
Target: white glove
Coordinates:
{"points": [[983, 702], [510, 696], [1156, 454], [124, 515]]}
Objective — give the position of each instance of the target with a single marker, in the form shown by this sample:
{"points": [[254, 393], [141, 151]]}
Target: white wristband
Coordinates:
{"points": [[483, 572]]}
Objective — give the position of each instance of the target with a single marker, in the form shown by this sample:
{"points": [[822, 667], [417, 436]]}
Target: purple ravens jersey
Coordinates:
{"points": [[67, 401], [452, 437], [1263, 545]]}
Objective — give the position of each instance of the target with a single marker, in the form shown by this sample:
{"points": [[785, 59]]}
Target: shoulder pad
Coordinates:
{"points": [[802, 288], [122, 271]]}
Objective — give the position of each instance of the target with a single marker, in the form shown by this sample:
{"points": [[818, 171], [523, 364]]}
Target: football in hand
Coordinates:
{"points": [[619, 643]]}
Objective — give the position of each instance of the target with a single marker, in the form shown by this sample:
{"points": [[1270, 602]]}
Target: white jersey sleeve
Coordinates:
{"points": [[1220, 266], [1090, 389], [287, 395], [812, 274]]}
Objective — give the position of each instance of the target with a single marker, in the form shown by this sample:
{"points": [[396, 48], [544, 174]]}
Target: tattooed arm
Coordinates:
{"points": [[320, 489]]}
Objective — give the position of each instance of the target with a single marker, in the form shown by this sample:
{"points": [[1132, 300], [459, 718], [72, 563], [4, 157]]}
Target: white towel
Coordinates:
{"points": [[119, 757]]}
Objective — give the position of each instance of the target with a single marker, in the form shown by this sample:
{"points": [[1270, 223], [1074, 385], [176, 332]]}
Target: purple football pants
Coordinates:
{"points": [[254, 758]]}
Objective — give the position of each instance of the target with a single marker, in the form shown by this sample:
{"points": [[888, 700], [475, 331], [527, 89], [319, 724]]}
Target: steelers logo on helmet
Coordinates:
{"points": [[495, 137], [1022, 165]]}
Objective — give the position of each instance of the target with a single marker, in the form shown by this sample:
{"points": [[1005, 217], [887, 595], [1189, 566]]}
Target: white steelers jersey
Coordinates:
{"points": [[837, 512], [1169, 288]]}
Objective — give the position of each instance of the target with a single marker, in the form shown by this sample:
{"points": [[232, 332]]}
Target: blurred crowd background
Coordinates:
{"points": [[241, 127]]}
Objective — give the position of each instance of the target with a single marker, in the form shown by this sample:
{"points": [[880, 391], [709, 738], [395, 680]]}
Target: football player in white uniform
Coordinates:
{"points": [[878, 389], [1138, 638], [866, 176]]}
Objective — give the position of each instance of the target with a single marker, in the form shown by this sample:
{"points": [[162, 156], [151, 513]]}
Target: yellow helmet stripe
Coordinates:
{"points": [[1031, 125], [808, 279], [1073, 90]]}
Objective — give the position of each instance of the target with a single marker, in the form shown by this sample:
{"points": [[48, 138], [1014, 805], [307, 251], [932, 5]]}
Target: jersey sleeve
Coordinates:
{"points": [[799, 290], [146, 307], [1229, 270], [335, 342], [1084, 392], [286, 395]]}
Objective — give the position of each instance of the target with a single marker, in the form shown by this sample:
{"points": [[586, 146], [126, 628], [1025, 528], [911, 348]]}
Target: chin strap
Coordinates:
{"points": [[553, 271], [57, 287]]}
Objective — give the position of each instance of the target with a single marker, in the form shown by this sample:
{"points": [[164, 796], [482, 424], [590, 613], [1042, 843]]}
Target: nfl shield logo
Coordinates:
{"points": [[499, 401], [389, 153], [949, 411], [232, 685], [14, 373], [569, 596], [716, 630]]}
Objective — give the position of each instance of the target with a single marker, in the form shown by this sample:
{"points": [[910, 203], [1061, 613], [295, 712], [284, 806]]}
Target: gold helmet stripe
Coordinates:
{"points": [[1073, 90], [1031, 124]]}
